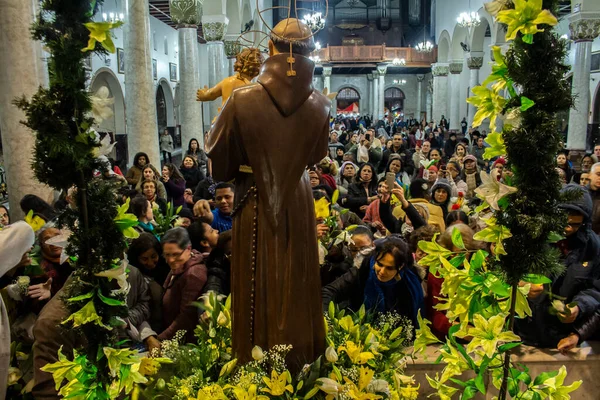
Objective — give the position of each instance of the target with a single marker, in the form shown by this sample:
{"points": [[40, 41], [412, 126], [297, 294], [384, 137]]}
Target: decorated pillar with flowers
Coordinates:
{"points": [[455, 67], [440, 91], [584, 27], [232, 48], [381, 69], [186, 14], [213, 29], [474, 62], [22, 75], [140, 99]]}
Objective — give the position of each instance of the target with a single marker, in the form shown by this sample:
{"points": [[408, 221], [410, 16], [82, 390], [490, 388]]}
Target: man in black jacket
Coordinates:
{"points": [[580, 254]]}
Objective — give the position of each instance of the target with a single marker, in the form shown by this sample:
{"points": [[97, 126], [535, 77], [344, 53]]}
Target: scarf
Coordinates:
{"points": [[374, 298]]}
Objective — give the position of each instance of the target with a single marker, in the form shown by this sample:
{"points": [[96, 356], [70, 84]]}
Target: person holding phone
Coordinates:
{"points": [[363, 191], [365, 151]]}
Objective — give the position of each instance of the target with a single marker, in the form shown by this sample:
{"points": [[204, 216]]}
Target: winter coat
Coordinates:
{"points": [[219, 272], [357, 197], [478, 153], [181, 290], [193, 176], [133, 175], [175, 191], [166, 143], [393, 224], [595, 210], [581, 258], [160, 188], [405, 158]]}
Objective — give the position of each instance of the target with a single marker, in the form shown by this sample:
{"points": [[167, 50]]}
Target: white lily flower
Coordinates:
{"points": [[120, 274], [492, 190], [61, 241], [101, 104], [330, 386], [379, 386], [331, 355], [257, 353]]}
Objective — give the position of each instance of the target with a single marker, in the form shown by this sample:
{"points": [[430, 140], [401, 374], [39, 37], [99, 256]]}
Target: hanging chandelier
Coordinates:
{"points": [[399, 81], [314, 21], [113, 17], [424, 47], [468, 20], [398, 61]]}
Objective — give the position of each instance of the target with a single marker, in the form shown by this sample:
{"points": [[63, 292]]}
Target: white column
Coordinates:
{"points": [[214, 28], [327, 85], [370, 92], [474, 62], [440, 91], [22, 71], [455, 67], [429, 100], [382, 68], [140, 99], [420, 79], [190, 110], [583, 32], [375, 96]]}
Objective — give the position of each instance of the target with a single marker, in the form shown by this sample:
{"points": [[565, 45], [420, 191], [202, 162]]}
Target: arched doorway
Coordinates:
{"points": [[165, 110], [394, 100], [348, 101]]}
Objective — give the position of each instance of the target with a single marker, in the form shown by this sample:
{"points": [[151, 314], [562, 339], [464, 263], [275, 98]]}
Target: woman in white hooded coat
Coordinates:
{"points": [[16, 241]]}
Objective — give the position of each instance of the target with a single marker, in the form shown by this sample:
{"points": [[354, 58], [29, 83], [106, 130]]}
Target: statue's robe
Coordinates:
{"points": [[277, 127]]}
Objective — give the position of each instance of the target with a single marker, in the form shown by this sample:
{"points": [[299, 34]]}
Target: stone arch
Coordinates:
{"points": [[169, 99], [393, 99], [460, 34], [444, 44], [345, 98], [246, 14], [498, 34], [478, 35], [233, 13], [106, 77]]}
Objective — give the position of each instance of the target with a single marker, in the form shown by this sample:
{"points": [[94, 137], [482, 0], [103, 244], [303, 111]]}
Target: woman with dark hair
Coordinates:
{"points": [[174, 184], [455, 217], [363, 191], [197, 154], [219, 266], [440, 195], [385, 282], [142, 209], [190, 172], [395, 166], [135, 172], [204, 237], [452, 174], [460, 152], [562, 162], [31, 202], [145, 254], [4, 216], [149, 190], [149, 172]]}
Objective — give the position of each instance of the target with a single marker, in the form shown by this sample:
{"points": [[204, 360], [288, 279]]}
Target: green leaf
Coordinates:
{"points": [[311, 393], [81, 297], [468, 393], [457, 239], [335, 197], [526, 103], [477, 260], [331, 310], [528, 38], [86, 315], [508, 346], [536, 279], [110, 301], [543, 377], [554, 237]]}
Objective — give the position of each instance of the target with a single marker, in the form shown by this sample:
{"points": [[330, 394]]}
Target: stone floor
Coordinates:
{"points": [[582, 363]]}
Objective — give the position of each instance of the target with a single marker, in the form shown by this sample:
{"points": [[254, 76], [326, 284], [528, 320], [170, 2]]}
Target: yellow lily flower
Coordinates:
{"points": [[358, 392], [34, 221], [100, 32], [444, 392], [355, 353], [278, 384], [487, 333], [241, 393], [212, 392], [499, 70], [552, 388], [424, 336], [322, 208], [525, 18], [494, 234], [489, 103]]}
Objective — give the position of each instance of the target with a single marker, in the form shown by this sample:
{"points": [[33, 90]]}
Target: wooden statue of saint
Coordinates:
{"points": [[264, 137]]}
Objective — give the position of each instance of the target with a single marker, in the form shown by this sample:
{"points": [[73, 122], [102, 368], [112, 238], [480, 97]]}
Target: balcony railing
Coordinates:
{"points": [[379, 54]]}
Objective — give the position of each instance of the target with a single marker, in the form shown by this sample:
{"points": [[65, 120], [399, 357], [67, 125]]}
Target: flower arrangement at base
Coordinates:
{"points": [[364, 359]]}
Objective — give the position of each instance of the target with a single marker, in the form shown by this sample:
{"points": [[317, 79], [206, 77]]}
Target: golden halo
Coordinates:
{"points": [[289, 8]]}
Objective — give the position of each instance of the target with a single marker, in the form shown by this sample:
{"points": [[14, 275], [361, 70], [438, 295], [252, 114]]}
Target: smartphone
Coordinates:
{"points": [[368, 136], [390, 179]]}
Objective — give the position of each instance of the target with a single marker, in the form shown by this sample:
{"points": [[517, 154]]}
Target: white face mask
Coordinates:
{"points": [[407, 230], [362, 254]]}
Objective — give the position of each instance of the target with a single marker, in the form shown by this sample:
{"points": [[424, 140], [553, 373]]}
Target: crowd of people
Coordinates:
{"points": [[399, 181]]}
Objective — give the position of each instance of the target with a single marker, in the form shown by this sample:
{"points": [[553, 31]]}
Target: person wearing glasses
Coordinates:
{"points": [[183, 286], [567, 326]]}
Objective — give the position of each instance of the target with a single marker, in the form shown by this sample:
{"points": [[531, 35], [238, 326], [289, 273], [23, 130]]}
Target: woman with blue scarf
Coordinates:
{"points": [[385, 282]]}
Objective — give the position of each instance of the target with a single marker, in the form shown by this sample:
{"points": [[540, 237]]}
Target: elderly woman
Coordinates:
{"points": [[385, 282], [182, 286]]}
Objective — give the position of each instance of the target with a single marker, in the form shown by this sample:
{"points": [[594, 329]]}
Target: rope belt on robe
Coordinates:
{"points": [[251, 192]]}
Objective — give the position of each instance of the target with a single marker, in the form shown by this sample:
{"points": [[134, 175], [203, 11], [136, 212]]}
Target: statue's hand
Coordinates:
{"points": [[201, 93]]}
